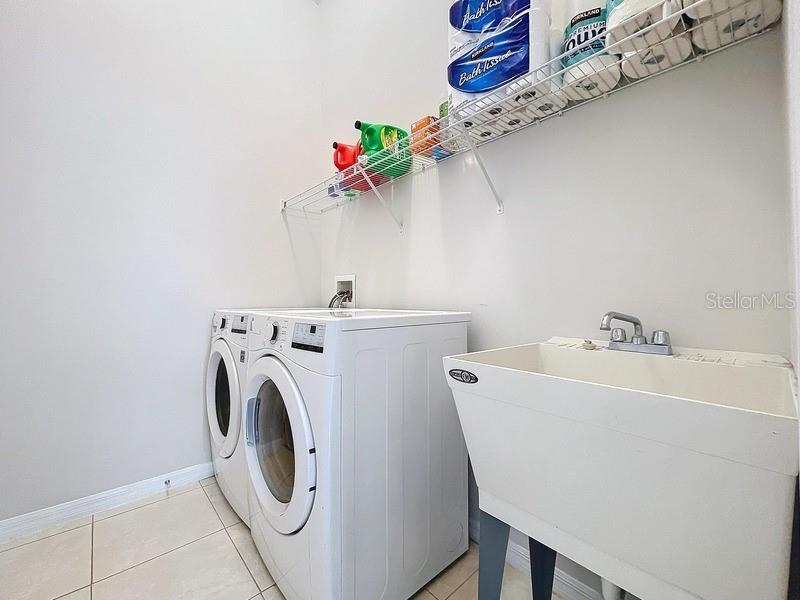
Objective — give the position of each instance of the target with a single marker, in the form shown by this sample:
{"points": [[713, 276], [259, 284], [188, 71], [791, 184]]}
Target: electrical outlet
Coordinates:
{"points": [[347, 283]]}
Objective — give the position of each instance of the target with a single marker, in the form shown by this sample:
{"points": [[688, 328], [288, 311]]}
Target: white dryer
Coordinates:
{"points": [[225, 375], [356, 461]]}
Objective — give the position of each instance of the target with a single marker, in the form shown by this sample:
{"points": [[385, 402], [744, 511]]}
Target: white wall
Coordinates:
{"points": [[146, 144], [642, 203], [791, 33], [614, 206], [144, 149]]}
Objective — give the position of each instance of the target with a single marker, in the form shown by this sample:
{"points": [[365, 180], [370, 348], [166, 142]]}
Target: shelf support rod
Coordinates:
{"points": [[500, 207], [385, 204]]}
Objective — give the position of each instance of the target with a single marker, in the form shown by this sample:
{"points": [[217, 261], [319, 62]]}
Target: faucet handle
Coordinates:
{"points": [[661, 337], [618, 335]]}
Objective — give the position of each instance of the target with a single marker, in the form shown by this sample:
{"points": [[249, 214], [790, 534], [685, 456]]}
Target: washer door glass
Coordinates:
{"points": [[222, 398], [275, 442]]}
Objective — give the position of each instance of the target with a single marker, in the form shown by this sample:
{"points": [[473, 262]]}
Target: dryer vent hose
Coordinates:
{"points": [[336, 301]]}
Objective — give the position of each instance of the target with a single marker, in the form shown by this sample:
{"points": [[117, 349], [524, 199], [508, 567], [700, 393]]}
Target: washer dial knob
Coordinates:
{"points": [[275, 331]]}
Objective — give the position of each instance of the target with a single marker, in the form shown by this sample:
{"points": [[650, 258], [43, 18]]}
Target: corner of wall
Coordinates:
{"points": [[791, 39]]}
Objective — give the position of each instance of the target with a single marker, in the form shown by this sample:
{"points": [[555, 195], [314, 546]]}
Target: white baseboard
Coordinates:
{"points": [[33, 522], [565, 586]]}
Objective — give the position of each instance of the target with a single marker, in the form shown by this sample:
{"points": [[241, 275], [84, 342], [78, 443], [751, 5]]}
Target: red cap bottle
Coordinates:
{"points": [[345, 155]]}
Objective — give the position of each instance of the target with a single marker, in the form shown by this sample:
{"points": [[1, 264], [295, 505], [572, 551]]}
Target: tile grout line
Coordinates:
{"points": [[458, 587], [46, 537], [466, 581], [158, 556], [214, 508], [72, 592], [91, 560], [91, 563], [122, 512], [244, 562]]}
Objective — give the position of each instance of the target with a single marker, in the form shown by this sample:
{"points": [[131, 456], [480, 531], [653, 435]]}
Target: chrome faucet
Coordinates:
{"points": [[660, 343]]}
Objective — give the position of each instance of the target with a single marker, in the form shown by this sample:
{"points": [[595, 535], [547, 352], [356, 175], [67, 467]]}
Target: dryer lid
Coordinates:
{"points": [[364, 318]]}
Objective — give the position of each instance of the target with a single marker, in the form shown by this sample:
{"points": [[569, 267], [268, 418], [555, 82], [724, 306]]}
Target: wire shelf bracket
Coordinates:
{"points": [[500, 207], [395, 218]]}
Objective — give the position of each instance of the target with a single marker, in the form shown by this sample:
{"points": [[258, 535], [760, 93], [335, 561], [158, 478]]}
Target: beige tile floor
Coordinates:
{"points": [[184, 544]]}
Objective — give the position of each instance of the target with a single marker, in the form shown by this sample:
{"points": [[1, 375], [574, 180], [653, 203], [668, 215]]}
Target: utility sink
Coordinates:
{"points": [[671, 476]]}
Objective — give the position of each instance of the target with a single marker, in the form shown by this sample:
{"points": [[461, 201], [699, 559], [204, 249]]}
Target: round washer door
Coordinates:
{"points": [[280, 452], [223, 400]]}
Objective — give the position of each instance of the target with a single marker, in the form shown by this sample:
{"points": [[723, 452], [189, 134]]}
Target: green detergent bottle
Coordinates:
{"points": [[386, 148]]}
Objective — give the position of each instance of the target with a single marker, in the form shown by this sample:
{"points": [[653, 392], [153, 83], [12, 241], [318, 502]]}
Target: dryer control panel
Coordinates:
{"points": [[275, 333], [309, 336]]}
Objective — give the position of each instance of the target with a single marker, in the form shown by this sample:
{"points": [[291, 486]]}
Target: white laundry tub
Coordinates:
{"points": [[673, 477]]}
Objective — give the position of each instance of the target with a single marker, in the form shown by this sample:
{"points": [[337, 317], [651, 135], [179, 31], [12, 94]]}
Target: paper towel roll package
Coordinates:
{"points": [[540, 24], [549, 101], [595, 77], [515, 120], [590, 71], [540, 92], [542, 99], [706, 10], [735, 23], [547, 98], [668, 53], [482, 133], [627, 18]]}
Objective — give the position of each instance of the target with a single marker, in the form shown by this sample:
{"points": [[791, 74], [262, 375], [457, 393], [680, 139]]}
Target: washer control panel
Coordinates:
{"points": [[234, 326], [309, 336], [240, 324]]}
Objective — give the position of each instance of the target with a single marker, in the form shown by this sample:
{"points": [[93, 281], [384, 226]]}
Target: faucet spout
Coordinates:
{"points": [[605, 324], [660, 344]]}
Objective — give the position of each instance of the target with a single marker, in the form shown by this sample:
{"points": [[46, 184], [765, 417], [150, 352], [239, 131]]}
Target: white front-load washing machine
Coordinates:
{"points": [[225, 375], [355, 457]]}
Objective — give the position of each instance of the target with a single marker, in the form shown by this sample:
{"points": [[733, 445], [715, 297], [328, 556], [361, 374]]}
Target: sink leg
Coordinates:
{"points": [[611, 591], [543, 569], [794, 564], [491, 557]]}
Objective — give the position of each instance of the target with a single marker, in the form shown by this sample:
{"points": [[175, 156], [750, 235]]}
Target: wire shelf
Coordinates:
{"points": [[648, 44]]}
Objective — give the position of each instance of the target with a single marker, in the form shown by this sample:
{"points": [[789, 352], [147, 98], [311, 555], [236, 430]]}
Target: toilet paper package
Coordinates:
{"points": [[590, 71], [497, 58], [460, 42], [663, 55], [627, 18], [734, 23], [484, 16], [470, 19]]}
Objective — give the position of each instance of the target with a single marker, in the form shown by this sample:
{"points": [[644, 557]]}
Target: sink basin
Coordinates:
{"points": [[671, 476]]}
